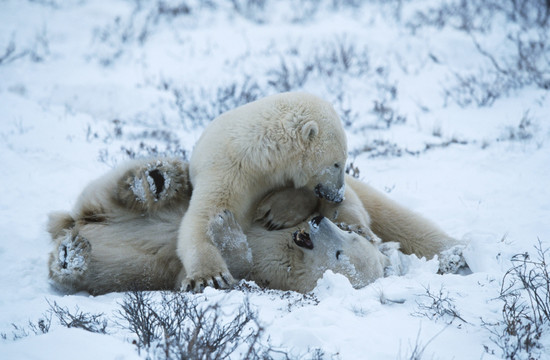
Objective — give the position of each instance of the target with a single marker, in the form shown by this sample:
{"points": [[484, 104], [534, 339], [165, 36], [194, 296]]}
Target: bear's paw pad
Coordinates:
{"points": [[153, 181]]}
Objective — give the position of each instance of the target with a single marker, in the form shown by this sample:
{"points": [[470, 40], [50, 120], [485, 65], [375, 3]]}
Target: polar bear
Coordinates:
{"points": [[122, 235], [285, 140]]}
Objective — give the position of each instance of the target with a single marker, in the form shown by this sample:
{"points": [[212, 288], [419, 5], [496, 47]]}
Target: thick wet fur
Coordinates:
{"points": [[122, 235]]}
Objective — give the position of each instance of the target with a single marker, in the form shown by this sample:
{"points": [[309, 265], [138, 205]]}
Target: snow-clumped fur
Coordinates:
{"points": [[114, 240], [289, 139]]}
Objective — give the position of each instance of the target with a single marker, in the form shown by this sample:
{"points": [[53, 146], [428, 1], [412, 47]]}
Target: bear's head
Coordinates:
{"points": [[324, 152], [327, 247]]}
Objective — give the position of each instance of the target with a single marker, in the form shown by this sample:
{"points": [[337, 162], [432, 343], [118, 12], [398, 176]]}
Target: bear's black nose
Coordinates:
{"points": [[316, 220]]}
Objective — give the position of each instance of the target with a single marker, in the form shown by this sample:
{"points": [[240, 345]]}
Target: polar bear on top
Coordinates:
{"points": [[285, 140]]}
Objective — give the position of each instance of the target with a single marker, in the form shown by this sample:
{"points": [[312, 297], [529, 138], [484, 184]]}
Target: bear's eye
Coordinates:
{"points": [[337, 165], [338, 253]]}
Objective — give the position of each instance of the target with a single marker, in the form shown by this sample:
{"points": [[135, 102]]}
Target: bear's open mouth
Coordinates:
{"points": [[302, 239]]}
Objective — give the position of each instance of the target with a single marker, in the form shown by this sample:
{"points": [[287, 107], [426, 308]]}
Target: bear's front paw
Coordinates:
{"points": [[362, 231], [223, 280], [452, 260], [285, 208]]}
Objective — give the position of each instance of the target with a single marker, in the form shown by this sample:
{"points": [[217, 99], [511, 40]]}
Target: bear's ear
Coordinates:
{"points": [[310, 130]]}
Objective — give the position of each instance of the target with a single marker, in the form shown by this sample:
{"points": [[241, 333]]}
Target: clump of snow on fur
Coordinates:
{"points": [[151, 181], [138, 190]]}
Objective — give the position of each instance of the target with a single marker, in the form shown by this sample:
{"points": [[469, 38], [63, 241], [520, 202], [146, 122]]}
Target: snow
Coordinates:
{"points": [[87, 345], [82, 90]]}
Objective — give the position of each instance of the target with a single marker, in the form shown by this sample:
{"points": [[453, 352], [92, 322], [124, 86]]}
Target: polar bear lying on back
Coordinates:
{"points": [[285, 140], [122, 235]]}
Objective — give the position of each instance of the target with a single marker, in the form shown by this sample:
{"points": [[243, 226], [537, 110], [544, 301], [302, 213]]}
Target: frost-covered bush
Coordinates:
{"points": [[177, 325], [78, 319], [197, 108], [180, 327], [524, 131], [525, 294], [438, 305], [525, 29]]}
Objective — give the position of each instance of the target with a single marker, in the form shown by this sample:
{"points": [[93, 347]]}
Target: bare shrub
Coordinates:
{"points": [[179, 326], [289, 76], [9, 53], [341, 56], [197, 109], [41, 326], [386, 115], [525, 293], [379, 148], [353, 170], [253, 10], [524, 131], [525, 29], [95, 323], [481, 89], [416, 351], [438, 305], [37, 51]]}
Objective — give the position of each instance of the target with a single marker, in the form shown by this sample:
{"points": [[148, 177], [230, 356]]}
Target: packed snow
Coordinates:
{"points": [[434, 115]]}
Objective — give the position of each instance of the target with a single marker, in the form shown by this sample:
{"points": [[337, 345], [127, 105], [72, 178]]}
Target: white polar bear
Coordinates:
{"points": [[285, 140], [122, 235]]}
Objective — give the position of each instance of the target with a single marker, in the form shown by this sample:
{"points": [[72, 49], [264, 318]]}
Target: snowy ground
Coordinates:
{"points": [[86, 84]]}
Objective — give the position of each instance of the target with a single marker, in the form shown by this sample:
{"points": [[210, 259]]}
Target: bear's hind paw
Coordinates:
{"points": [[154, 184], [452, 260], [72, 256]]}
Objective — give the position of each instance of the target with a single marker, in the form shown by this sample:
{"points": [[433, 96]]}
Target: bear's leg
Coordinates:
{"points": [[154, 184], [203, 262], [393, 222], [226, 233], [69, 261]]}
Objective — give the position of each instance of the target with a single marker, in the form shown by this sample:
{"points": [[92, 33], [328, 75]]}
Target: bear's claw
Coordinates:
{"points": [[222, 281]]}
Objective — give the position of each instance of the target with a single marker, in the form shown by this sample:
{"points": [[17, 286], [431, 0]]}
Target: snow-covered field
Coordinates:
{"points": [[446, 107]]}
